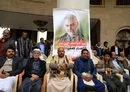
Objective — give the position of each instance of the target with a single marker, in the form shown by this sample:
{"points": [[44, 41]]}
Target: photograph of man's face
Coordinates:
{"points": [[71, 25]]}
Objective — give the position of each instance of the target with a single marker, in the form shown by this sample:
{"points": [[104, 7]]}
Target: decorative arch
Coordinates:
{"points": [[121, 28], [123, 36]]}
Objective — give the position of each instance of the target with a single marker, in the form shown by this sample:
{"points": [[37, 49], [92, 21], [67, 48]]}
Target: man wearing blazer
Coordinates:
{"points": [[10, 65], [115, 48]]}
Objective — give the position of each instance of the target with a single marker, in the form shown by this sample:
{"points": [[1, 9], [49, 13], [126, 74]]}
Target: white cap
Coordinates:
{"points": [[37, 49]]}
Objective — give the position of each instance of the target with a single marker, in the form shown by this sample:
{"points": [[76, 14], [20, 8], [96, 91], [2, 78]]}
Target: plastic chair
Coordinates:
{"points": [[47, 78], [15, 84]]}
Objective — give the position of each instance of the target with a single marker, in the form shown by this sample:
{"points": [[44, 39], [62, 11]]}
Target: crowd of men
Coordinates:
{"points": [[21, 56]]}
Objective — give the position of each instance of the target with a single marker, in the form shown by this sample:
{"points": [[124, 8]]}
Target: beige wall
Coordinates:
{"points": [[41, 7], [112, 19]]}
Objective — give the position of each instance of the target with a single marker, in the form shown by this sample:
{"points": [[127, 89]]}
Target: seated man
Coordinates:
{"points": [[9, 67], [34, 72], [106, 69], [86, 72], [128, 59], [60, 66], [119, 68], [123, 60]]}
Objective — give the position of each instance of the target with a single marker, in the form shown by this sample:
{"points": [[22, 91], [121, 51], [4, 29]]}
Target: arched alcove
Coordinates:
{"points": [[123, 36]]}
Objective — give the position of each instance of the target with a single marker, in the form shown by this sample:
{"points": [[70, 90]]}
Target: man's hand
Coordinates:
{"points": [[70, 66], [84, 76], [34, 77], [109, 70], [62, 66], [3, 76], [120, 71], [87, 77]]}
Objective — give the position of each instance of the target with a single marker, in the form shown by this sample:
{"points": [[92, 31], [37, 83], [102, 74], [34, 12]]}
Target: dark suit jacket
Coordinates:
{"points": [[127, 51], [16, 65], [84, 65], [113, 49], [29, 65]]}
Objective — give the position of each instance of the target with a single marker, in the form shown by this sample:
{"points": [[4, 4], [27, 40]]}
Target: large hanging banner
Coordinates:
{"points": [[71, 30]]}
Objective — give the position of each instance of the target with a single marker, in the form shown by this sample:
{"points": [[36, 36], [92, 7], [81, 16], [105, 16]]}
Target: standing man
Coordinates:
{"points": [[42, 46], [10, 65], [86, 72], [98, 48], [127, 50], [24, 46], [115, 48], [73, 33], [105, 47], [5, 42]]}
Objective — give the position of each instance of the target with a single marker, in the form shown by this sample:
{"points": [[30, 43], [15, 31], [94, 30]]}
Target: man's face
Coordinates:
{"points": [[85, 54], [116, 43], [36, 54], [106, 44], [113, 54], [61, 52], [25, 35], [107, 57], [71, 26], [129, 56], [122, 54], [6, 34], [95, 52], [98, 43], [10, 53], [42, 41]]}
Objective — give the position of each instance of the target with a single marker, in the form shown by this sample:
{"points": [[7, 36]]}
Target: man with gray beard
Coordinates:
{"points": [[73, 33]]}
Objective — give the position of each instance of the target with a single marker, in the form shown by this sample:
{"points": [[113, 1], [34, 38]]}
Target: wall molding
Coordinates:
{"points": [[35, 1]]}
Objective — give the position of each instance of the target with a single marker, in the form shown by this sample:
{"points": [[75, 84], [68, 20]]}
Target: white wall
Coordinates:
{"points": [[1, 31], [41, 35]]}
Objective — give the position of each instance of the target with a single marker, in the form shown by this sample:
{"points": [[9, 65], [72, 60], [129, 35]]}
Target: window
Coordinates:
{"points": [[96, 2], [122, 2]]}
